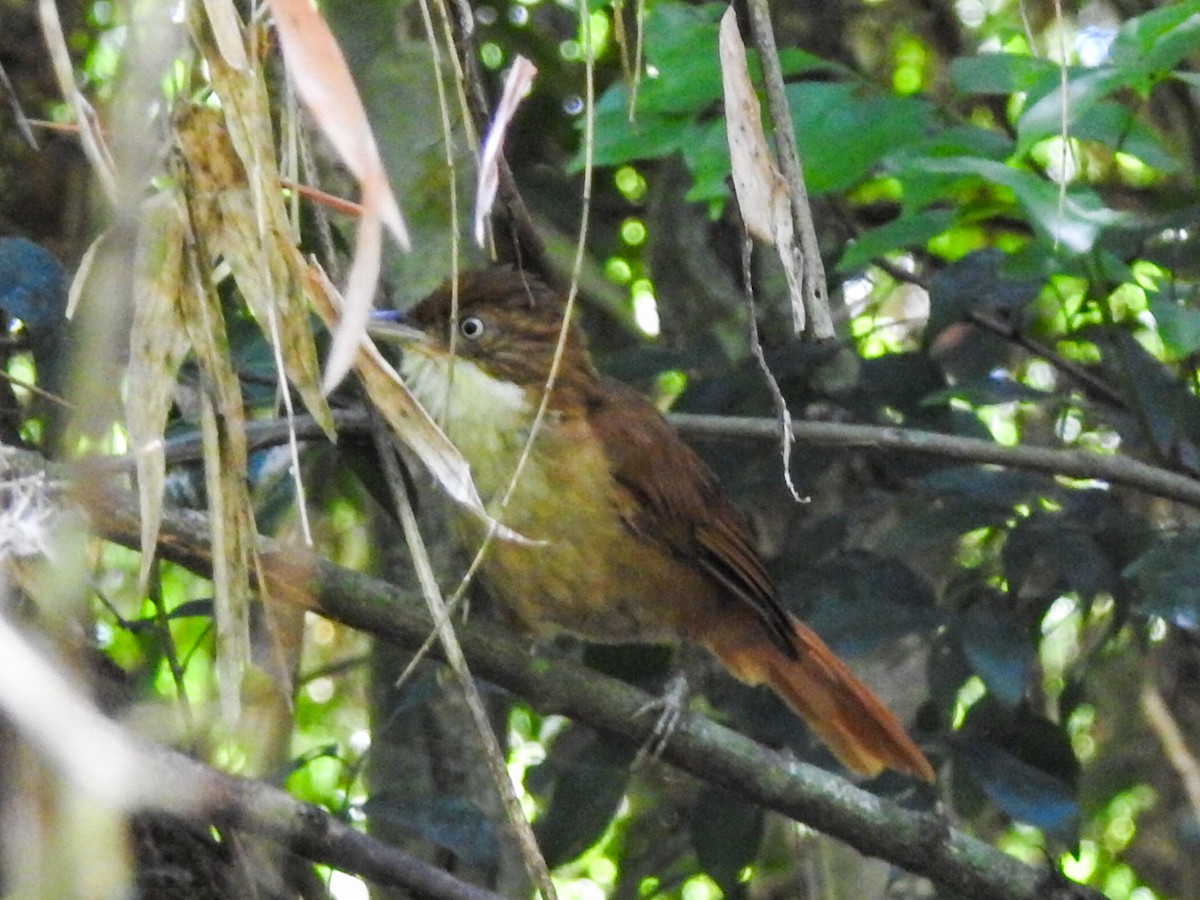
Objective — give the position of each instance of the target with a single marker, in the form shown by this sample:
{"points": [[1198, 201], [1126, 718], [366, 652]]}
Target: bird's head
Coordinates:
{"points": [[496, 344]]}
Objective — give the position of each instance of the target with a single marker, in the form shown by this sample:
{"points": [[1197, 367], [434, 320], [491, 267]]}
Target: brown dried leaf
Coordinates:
{"points": [[158, 344], [234, 533], [90, 136], [226, 478], [756, 181], [264, 262], [323, 80], [360, 292], [82, 272], [227, 32], [516, 86], [762, 192]]}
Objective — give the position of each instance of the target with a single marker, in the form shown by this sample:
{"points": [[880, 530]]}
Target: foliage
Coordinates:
{"points": [[1007, 213]]}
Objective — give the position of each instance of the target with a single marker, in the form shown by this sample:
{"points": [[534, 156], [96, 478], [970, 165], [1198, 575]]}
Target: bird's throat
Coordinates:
{"points": [[488, 419]]}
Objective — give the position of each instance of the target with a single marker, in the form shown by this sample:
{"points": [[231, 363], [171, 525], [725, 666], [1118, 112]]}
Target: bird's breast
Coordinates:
{"points": [[582, 570]]}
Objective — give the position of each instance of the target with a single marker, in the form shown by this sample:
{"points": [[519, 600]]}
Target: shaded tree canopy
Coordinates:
{"points": [[997, 449]]}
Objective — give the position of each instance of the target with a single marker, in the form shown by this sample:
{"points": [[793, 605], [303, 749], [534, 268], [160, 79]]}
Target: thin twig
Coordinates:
{"points": [[523, 247], [34, 389], [1082, 464], [782, 413], [18, 112], [1010, 332], [162, 621], [1175, 748], [493, 755]]}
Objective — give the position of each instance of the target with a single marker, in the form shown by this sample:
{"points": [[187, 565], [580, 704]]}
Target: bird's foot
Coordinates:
{"points": [[670, 708]]}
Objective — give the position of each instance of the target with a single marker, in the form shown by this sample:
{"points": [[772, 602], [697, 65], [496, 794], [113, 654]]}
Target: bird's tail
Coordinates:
{"points": [[862, 733]]}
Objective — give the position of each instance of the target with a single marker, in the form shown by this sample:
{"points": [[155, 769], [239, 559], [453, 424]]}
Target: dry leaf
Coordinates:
{"points": [[360, 292], [762, 192], [249, 229], [157, 346], [82, 271], [227, 31], [318, 70], [244, 224], [516, 86], [231, 516], [90, 136], [323, 80]]}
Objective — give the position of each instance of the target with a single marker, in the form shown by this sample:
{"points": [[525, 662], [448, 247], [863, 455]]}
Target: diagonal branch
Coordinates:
{"points": [[923, 843], [988, 321], [127, 773]]}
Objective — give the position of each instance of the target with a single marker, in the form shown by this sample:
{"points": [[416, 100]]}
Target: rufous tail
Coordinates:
{"points": [[862, 733]]}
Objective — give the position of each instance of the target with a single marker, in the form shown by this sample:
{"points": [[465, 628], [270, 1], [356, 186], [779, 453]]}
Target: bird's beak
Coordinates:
{"points": [[390, 325]]}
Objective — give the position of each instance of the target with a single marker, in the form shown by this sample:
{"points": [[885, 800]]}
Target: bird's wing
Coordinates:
{"points": [[671, 496]]}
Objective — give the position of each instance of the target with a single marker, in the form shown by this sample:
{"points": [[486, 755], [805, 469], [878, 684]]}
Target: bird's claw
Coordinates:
{"points": [[670, 708]]}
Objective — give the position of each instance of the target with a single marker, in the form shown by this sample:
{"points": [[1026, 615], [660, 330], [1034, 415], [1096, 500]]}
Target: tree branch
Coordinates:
{"points": [[988, 321], [921, 842], [308, 830], [1115, 469], [130, 774]]}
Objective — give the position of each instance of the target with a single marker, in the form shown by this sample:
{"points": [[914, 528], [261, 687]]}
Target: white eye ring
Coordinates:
{"points": [[471, 328]]}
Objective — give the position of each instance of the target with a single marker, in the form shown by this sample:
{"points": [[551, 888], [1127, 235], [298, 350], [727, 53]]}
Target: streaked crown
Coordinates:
{"points": [[508, 324]]}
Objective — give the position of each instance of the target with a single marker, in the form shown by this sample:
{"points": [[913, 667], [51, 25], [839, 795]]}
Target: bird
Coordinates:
{"points": [[627, 535]]}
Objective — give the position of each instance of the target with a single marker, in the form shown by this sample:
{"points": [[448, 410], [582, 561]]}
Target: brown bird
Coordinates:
{"points": [[630, 536]]}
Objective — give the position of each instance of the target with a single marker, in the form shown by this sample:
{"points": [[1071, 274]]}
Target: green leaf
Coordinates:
{"points": [[452, 823], [585, 793], [706, 154], [922, 188], [1050, 553], [681, 48], [906, 231], [999, 648], [1192, 78], [998, 73], [1167, 412], [860, 601], [1166, 580], [1026, 793], [900, 382], [726, 832], [619, 141], [1178, 326], [837, 150], [1004, 488], [1043, 117], [1113, 125], [989, 390], [966, 140], [1156, 42], [1146, 49], [940, 523], [976, 282], [1075, 221]]}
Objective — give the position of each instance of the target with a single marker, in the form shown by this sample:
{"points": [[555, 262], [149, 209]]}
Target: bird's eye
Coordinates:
{"points": [[471, 328]]}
